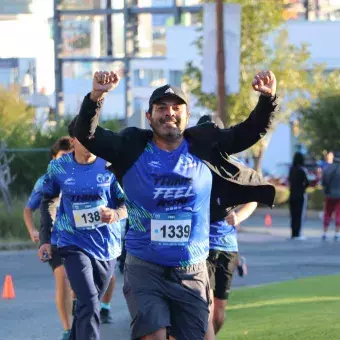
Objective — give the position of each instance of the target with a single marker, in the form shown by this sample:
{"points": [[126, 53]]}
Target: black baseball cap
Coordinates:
{"points": [[168, 91]]}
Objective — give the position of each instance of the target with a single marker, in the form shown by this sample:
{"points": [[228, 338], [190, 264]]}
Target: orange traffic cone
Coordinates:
{"points": [[8, 290], [268, 221]]}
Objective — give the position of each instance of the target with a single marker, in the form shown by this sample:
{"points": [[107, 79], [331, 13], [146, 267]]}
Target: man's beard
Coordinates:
{"points": [[171, 133]]}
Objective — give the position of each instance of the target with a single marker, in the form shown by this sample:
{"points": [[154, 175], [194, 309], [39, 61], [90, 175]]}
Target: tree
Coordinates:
{"points": [[319, 117], [259, 18], [16, 118]]}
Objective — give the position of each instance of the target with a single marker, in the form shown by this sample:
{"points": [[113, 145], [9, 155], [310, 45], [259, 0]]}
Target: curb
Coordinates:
{"points": [[284, 212]]}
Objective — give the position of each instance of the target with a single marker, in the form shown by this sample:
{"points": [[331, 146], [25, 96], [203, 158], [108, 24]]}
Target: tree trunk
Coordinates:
{"points": [[257, 159]]}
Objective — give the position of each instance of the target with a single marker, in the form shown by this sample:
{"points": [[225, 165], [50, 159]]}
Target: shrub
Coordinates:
{"points": [[12, 224], [315, 198], [282, 195]]}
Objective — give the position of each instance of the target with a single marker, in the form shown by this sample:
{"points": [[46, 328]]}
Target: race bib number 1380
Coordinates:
{"points": [[171, 229]]}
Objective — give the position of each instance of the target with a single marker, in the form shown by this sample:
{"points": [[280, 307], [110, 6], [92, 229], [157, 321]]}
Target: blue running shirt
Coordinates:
{"points": [[223, 236], [34, 200], [168, 200], [84, 188]]}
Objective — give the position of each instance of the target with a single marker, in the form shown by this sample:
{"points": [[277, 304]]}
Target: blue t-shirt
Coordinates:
{"points": [[223, 236], [84, 188], [34, 200], [168, 200]]}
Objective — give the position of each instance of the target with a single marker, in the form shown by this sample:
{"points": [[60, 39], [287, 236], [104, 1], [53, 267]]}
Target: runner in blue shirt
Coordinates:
{"points": [[167, 186], [63, 295], [88, 229], [223, 254]]}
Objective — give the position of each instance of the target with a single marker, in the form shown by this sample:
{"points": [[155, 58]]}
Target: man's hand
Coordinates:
{"points": [[265, 83], [103, 82], [34, 234], [232, 219], [45, 252], [108, 215]]}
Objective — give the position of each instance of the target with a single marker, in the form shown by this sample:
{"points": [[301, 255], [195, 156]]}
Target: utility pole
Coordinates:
{"points": [[58, 68], [109, 30], [220, 63]]}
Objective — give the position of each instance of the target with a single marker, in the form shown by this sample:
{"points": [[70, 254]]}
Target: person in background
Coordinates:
{"points": [[331, 185], [63, 294], [298, 183]]}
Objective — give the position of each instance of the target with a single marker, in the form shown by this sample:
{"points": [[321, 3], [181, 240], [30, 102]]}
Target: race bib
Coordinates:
{"points": [[171, 229], [87, 214]]}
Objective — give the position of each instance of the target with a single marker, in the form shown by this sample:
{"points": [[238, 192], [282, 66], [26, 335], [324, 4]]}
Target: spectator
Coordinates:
{"points": [[298, 183], [331, 186]]}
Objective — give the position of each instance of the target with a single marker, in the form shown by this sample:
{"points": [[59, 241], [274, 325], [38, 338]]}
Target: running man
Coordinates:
{"points": [[63, 297], [167, 175], [88, 229]]}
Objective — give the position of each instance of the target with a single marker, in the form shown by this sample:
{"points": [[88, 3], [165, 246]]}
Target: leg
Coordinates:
{"points": [[89, 279], [105, 306], [188, 290], [107, 297], [63, 297], [299, 207], [303, 212], [329, 206], [226, 265], [295, 212], [337, 215], [148, 305], [219, 314], [210, 335], [292, 215]]}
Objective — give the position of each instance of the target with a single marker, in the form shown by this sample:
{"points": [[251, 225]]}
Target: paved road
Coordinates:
{"points": [[270, 257]]}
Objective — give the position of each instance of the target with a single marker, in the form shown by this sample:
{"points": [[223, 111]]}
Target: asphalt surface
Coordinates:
{"points": [[271, 257]]}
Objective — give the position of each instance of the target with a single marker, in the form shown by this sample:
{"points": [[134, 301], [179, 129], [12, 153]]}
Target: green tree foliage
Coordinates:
{"points": [[27, 142], [259, 18]]}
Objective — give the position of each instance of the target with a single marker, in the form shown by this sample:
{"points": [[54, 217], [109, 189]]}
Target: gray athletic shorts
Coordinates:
{"points": [[161, 297]]}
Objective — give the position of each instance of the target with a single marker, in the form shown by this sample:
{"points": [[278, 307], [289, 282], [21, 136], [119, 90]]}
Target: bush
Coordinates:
{"points": [[28, 163], [315, 198], [282, 195], [12, 224]]}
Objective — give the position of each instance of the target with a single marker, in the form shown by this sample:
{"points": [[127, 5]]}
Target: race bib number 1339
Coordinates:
{"points": [[171, 229]]}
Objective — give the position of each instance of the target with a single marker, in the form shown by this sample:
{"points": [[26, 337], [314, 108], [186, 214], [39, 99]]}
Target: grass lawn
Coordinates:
{"points": [[293, 310]]}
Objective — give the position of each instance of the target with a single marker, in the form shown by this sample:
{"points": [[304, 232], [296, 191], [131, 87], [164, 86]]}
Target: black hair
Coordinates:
{"points": [[205, 119], [210, 119], [64, 143], [298, 159]]}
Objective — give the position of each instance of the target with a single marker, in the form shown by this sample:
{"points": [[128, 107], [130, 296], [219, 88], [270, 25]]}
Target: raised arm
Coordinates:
{"points": [[244, 135], [101, 142]]}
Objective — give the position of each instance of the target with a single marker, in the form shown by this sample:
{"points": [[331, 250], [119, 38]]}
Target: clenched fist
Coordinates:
{"points": [[103, 82], [265, 83]]}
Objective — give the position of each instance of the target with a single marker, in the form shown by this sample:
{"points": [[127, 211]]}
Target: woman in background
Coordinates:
{"points": [[298, 183]]}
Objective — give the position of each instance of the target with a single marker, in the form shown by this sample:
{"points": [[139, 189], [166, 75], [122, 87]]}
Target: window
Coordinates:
{"points": [[176, 78], [149, 78]]}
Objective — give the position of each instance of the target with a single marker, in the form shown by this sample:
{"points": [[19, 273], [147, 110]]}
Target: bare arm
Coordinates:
{"points": [[29, 222], [242, 214]]}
